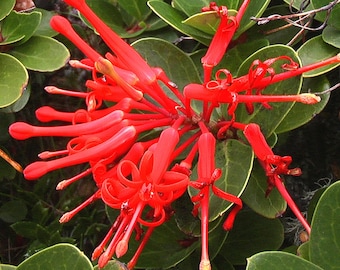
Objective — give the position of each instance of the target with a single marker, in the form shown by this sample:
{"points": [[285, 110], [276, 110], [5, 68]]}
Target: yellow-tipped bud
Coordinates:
{"points": [[308, 98], [105, 67]]}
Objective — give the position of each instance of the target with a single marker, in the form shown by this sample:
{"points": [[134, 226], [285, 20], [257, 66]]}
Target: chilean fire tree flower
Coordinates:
{"points": [[141, 177]]}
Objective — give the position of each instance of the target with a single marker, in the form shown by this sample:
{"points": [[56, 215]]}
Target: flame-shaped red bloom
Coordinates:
{"points": [[134, 149]]}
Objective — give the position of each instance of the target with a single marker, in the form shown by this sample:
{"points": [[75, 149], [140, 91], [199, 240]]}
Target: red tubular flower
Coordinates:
{"points": [[132, 173], [222, 37], [207, 175], [128, 56], [151, 184], [23, 131], [122, 139], [63, 26], [274, 166]]}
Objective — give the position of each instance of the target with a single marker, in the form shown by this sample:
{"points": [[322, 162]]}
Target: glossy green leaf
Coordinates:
{"points": [[19, 104], [254, 9], [7, 267], [331, 36], [112, 265], [206, 22], [175, 18], [315, 50], [57, 257], [235, 159], [334, 17], [109, 14], [234, 57], [135, 8], [304, 111], [177, 65], [217, 237], [269, 120], [254, 195], [165, 244], [193, 7], [6, 7], [19, 27], [324, 245], [44, 28], [303, 250], [13, 211], [244, 241], [31, 230], [220, 263], [13, 79], [42, 54], [276, 260]]}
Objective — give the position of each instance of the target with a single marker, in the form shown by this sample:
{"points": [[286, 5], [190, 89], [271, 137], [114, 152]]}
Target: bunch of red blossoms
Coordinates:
{"points": [[142, 177]]}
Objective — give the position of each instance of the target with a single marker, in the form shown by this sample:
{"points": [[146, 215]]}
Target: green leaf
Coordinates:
{"points": [[193, 7], [234, 57], [42, 54], [235, 159], [175, 18], [136, 8], [276, 260], [206, 22], [57, 257], [7, 267], [30, 230], [334, 17], [13, 211], [112, 265], [19, 104], [254, 195], [220, 263], [254, 9], [306, 112], [164, 249], [19, 27], [243, 240], [6, 7], [44, 28], [177, 65], [331, 36], [315, 50], [269, 120], [13, 79], [324, 244], [108, 13], [303, 251]]}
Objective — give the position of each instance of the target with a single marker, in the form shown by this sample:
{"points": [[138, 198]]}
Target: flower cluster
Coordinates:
{"points": [[141, 177]]}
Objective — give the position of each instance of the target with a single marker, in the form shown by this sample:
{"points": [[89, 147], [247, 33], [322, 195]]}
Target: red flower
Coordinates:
{"points": [[223, 36], [274, 166], [207, 175], [152, 185], [135, 174]]}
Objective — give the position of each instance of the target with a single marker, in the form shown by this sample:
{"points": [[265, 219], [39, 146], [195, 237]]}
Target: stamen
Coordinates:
{"points": [[65, 183], [48, 154]]}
